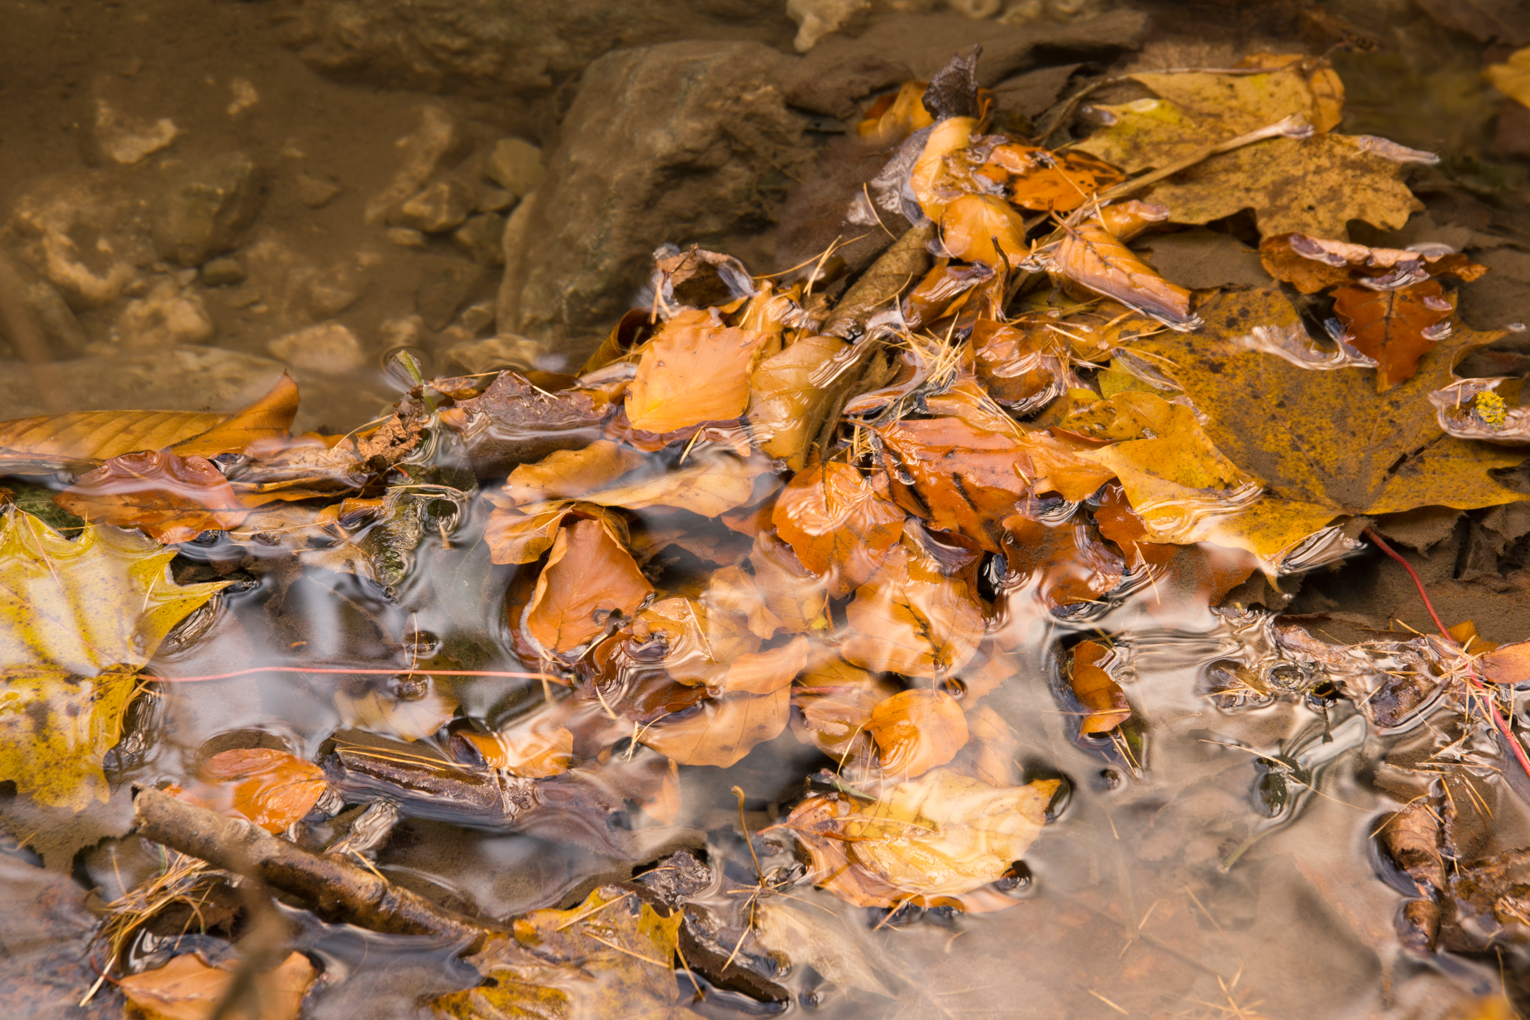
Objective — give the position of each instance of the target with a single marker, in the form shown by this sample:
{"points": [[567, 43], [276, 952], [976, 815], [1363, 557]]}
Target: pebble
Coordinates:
{"points": [[206, 207], [483, 237], [440, 207], [315, 192], [221, 272], [129, 139], [496, 199], [404, 237], [515, 165], [424, 152], [328, 348], [165, 316]]}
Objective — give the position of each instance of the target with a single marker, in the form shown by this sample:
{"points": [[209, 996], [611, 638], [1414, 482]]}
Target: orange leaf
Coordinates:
{"points": [[1043, 180], [1395, 327], [1066, 562], [565, 474], [837, 524], [271, 788], [720, 731], [983, 228], [1101, 696], [270, 417], [930, 180], [790, 395], [768, 671], [188, 988], [588, 577], [1095, 258], [910, 618], [173, 499], [834, 702], [893, 118], [1313, 263], [917, 730], [534, 750], [697, 644], [694, 370], [1506, 664], [1017, 367]]}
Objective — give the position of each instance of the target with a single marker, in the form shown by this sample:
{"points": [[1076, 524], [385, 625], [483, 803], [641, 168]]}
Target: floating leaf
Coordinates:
{"points": [[911, 618], [1102, 698], [1065, 561], [1313, 263], [1093, 256], [835, 701], [568, 474], [271, 788], [188, 988], [711, 482], [837, 524], [720, 731], [78, 619], [1394, 326], [539, 747], [1048, 181], [588, 578], [768, 671], [790, 395], [917, 730], [172, 498], [694, 370]]}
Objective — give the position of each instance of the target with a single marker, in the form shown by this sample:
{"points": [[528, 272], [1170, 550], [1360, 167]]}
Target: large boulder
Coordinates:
{"points": [[683, 142]]}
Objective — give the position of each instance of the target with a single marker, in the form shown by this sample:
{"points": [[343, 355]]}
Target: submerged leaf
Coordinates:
{"points": [[911, 618], [917, 730], [694, 370], [1393, 326], [837, 524], [188, 988], [172, 498], [588, 577], [271, 788], [1102, 698]]}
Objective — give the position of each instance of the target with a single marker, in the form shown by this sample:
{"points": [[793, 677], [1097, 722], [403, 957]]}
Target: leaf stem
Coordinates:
{"points": [[1471, 674]]}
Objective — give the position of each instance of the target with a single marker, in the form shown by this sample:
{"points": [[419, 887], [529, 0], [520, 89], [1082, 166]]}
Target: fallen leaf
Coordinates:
{"points": [[1328, 439], [1311, 264], [834, 701], [911, 618], [172, 498], [1063, 562], [929, 180], [790, 395], [814, 939], [88, 437], [837, 524], [271, 788], [1394, 326], [78, 619], [710, 482], [515, 537], [991, 747], [188, 988], [610, 958], [538, 748], [720, 731], [1094, 257], [694, 370], [1048, 181], [1512, 77], [1506, 664], [515, 422], [568, 474], [983, 228], [588, 578], [1103, 699], [893, 118], [917, 730], [768, 671], [1018, 367]]}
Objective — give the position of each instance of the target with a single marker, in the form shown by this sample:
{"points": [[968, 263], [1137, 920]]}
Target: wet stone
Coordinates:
{"points": [[404, 237], [496, 199], [438, 208], [166, 316], [315, 192], [329, 348], [221, 272], [516, 166], [207, 207], [481, 238]]}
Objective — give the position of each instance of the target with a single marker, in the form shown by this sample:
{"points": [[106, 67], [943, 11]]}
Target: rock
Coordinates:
{"points": [[187, 378], [475, 357], [222, 272], [129, 139], [50, 314], [499, 48], [207, 207], [478, 317], [673, 143], [167, 316], [244, 95], [439, 207], [315, 192], [516, 166], [404, 237], [818, 18], [426, 150], [496, 200], [482, 237], [315, 293], [83, 236], [446, 284], [328, 348], [407, 331]]}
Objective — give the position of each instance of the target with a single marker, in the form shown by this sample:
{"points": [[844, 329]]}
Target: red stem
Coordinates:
{"points": [[365, 672], [1492, 704]]}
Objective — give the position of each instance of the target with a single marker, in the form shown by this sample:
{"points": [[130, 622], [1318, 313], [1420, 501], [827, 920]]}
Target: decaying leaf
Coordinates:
{"points": [[188, 988], [1312, 263], [271, 788], [1101, 696], [1394, 326], [172, 498], [610, 958], [588, 578], [1094, 256], [78, 619], [917, 730], [912, 618], [694, 370], [837, 524], [819, 940]]}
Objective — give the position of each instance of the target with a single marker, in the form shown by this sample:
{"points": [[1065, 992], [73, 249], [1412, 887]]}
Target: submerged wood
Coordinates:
{"points": [[328, 885]]}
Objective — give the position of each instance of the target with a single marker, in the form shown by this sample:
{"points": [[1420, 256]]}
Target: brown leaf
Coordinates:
{"points": [[720, 731], [1048, 181], [912, 619], [1020, 368], [1102, 698], [917, 730], [515, 422], [588, 577], [534, 749], [834, 703], [790, 394], [989, 756], [689, 641], [1395, 327], [945, 290], [568, 474], [694, 370], [1096, 259], [768, 671], [88, 437], [1065, 561], [837, 524], [1506, 664], [271, 788], [983, 228], [1313, 263], [710, 482], [187, 988], [173, 499]]}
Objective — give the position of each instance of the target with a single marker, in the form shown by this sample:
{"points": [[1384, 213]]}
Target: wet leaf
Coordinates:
{"points": [[568, 474], [790, 394], [893, 118], [515, 537], [1103, 699], [539, 747], [588, 578], [1512, 77], [694, 370], [1506, 664], [611, 958], [917, 730], [1328, 439], [834, 702], [271, 788], [188, 988], [172, 498], [1065, 561], [930, 180], [1312, 185], [710, 482], [983, 228], [1312, 263], [911, 618], [515, 422], [1017, 366], [720, 731], [1094, 256], [88, 437], [768, 671], [1395, 326], [818, 940], [1048, 181], [837, 524], [77, 621]]}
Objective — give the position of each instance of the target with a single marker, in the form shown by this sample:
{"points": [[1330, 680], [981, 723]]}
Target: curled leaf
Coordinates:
{"points": [[588, 577], [917, 730], [1102, 698], [983, 228], [172, 498]]}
